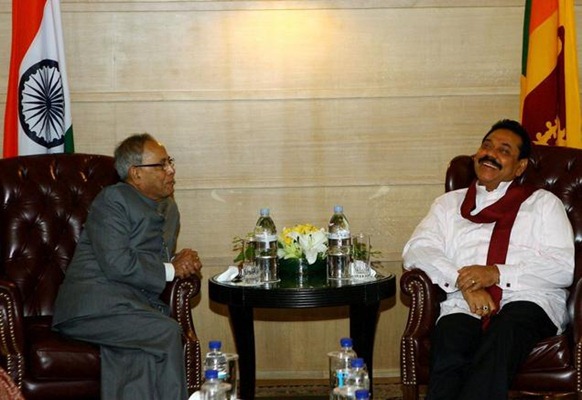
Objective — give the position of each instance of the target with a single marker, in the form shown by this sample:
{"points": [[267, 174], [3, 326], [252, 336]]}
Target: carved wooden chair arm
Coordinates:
{"points": [[11, 331], [425, 302], [179, 295]]}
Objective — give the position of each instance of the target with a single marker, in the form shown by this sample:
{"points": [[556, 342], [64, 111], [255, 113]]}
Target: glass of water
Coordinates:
{"points": [[361, 256], [251, 272]]}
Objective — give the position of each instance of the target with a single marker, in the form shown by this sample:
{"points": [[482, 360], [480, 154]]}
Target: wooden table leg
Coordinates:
{"points": [[363, 321], [242, 323]]}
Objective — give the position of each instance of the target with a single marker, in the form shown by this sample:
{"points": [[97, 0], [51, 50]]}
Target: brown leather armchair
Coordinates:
{"points": [[44, 201], [555, 365]]}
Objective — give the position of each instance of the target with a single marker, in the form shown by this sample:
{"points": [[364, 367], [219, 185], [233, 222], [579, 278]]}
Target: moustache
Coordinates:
{"points": [[491, 160]]}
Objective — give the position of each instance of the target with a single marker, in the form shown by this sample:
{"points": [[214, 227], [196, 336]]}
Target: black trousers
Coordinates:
{"points": [[468, 363]]}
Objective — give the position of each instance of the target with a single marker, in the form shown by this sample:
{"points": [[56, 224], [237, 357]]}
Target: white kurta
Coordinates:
{"points": [[540, 258]]}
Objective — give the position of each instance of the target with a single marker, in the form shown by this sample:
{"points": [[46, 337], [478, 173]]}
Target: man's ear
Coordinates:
{"points": [[522, 165], [133, 174]]}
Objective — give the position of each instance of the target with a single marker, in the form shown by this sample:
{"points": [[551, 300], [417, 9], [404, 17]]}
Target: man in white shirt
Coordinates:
{"points": [[504, 255]]}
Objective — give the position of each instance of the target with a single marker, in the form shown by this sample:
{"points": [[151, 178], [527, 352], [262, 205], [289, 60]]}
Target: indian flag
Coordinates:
{"points": [[550, 98], [38, 111]]}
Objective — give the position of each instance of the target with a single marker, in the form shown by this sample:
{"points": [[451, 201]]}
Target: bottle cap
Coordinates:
{"points": [[338, 209], [362, 394], [265, 212], [358, 363], [214, 345], [346, 342], [211, 374]]}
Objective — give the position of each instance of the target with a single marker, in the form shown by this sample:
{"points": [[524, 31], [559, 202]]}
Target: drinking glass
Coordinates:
{"points": [[361, 256], [232, 363], [250, 269]]}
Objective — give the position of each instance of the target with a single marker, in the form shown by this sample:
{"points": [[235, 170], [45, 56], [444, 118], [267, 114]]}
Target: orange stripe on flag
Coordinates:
{"points": [[543, 51], [540, 11], [26, 19]]}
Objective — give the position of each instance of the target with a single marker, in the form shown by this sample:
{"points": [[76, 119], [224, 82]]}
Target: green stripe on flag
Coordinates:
{"points": [[525, 44], [69, 143]]}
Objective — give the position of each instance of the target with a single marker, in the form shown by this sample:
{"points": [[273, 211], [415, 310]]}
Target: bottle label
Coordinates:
{"points": [[341, 234], [264, 237], [341, 375]]}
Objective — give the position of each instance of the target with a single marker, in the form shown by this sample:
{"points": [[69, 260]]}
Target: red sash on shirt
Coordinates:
{"points": [[503, 212]]}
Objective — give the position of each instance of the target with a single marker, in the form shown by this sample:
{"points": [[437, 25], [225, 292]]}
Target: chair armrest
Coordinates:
{"points": [[424, 311], [178, 295], [575, 313], [11, 331], [425, 302]]}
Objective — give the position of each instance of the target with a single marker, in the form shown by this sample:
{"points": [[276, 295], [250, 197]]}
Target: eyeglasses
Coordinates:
{"points": [[169, 163]]}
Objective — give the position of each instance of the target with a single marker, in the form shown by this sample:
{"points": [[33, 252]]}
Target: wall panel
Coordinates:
{"points": [[301, 143], [293, 50]]}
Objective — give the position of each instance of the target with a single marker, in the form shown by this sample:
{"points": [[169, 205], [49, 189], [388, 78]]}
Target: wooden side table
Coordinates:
{"points": [[362, 297]]}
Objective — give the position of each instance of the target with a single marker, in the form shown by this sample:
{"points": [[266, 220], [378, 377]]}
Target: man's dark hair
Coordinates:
{"points": [[519, 130]]}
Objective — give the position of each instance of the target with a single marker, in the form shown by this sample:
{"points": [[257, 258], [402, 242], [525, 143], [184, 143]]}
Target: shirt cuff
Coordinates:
{"points": [[448, 282], [507, 277], [170, 272]]}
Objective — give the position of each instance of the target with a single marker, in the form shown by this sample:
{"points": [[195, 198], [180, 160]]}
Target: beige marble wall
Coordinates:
{"points": [[295, 105]]}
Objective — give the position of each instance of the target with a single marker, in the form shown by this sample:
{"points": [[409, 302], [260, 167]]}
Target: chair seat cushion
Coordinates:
{"points": [[58, 358], [549, 355]]}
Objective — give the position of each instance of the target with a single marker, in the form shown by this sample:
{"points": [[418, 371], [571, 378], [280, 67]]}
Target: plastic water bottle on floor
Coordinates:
{"points": [[357, 379], [216, 360], [339, 364], [213, 388], [358, 375]]}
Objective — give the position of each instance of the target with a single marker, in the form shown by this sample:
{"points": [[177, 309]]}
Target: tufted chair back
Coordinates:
{"points": [[44, 201], [554, 366]]}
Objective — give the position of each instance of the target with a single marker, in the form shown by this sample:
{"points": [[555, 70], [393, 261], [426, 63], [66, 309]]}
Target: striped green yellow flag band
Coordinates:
{"points": [[550, 99]]}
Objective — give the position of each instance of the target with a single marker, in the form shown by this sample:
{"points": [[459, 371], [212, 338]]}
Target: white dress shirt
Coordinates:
{"points": [[540, 258]]}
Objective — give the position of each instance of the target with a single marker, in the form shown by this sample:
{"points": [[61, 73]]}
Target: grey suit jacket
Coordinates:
{"points": [[118, 262]]}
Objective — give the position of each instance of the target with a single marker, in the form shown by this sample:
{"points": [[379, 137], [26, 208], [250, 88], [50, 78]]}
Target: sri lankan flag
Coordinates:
{"points": [[550, 98]]}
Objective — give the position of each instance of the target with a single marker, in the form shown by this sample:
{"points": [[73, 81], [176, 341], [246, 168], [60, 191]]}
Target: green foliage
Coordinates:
{"points": [[238, 247]]}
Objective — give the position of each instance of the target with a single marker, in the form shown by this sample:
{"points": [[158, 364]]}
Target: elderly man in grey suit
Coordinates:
{"points": [[125, 256]]}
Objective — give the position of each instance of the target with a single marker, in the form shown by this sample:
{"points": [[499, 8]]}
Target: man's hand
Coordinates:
{"points": [[475, 277], [479, 301], [186, 263]]}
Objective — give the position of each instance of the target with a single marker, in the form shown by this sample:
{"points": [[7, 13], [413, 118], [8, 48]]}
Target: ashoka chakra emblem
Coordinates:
{"points": [[41, 105]]}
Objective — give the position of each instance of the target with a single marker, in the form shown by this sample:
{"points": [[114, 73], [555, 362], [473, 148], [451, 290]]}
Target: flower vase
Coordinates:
{"points": [[300, 267]]}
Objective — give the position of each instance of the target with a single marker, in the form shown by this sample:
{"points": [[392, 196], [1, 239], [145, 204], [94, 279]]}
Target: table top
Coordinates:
{"points": [[306, 292]]}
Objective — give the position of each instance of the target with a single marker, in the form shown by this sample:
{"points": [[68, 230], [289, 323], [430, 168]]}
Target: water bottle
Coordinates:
{"points": [[339, 363], [266, 247], [339, 245], [216, 360], [358, 375], [213, 388]]}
